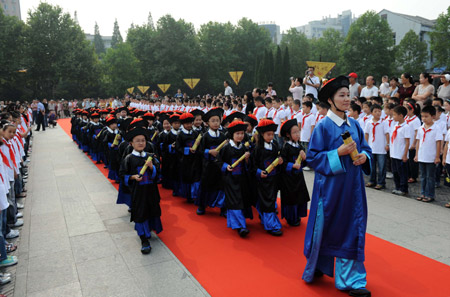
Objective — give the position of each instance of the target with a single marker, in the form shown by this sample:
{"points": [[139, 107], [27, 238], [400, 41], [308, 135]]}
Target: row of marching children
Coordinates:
{"points": [[15, 146], [232, 163]]}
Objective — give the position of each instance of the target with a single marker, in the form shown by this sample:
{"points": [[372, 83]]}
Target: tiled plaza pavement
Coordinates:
{"points": [[77, 242]]}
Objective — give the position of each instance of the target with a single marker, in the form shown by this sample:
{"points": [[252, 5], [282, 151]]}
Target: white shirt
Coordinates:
{"points": [[367, 93], [364, 119], [228, 91], [414, 124], [306, 123], [260, 112], [447, 139], [270, 112], [397, 146], [377, 141], [278, 117], [310, 89], [384, 89], [427, 147], [297, 115], [297, 92]]}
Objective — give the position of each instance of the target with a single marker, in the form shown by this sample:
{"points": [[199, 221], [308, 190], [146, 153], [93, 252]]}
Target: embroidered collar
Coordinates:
{"points": [[139, 154], [337, 120], [213, 133], [235, 145], [186, 131], [175, 132], [294, 144], [268, 146], [111, 130]]}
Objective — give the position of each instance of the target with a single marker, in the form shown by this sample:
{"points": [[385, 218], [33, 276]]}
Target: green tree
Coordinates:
{"points": [[440, 40], [278, 80], [120, 69], [58, 53], [327, 48], [299, 50], [411, 54], [217, 54], [283, 88], [98, 41], [116, 37], [249, 42], [12, 56], [368, 47], [176, 52], [141, 39]]}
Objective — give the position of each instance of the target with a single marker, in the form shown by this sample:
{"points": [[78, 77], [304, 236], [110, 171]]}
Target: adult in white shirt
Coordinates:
{"points": [[228, 89], [296, 89], [369, 90], [311, 82], [270, 91]]}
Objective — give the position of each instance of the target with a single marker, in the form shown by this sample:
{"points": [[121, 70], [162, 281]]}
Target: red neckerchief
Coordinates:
{"points": [[411, 119], [425, 131], [304, 118], [11, 153], [373, 130], [394, 134], [5, 159]]}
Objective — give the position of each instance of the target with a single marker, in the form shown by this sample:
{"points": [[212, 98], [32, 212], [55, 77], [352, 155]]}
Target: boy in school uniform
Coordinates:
{"points": [[399, 149], [428, 148], [441, 126], [145, 209], [260, 110], [376, 133], [306, 125]]}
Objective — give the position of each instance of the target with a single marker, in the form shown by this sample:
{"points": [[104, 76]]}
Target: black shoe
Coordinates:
{"points": [[294, 224], [275, 233], [200, 211], [146, 248], [243, 232], [360, 293], [318, 273]]}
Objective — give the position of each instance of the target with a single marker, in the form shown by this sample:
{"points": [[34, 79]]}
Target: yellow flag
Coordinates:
{"points": [[191, 82], [143, 89], [236, 76], [321, 68], [164, 87], [130, 90]]}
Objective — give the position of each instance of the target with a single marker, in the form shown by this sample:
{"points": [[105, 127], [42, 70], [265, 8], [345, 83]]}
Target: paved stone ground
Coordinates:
{"points": [[77, 242]]}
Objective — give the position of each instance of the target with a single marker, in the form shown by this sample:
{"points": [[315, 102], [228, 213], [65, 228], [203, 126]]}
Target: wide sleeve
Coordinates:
{"points": [[319, 157], [125, 171]]}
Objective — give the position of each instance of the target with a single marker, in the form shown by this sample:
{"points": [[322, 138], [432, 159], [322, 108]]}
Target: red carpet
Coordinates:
{"points": [[263, 265]]}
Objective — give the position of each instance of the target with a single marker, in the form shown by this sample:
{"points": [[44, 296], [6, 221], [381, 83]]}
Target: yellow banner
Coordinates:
{"points": [[130, 90], [164, 87], [321, 68], [143, 89], [191, 82], [236, 76]]}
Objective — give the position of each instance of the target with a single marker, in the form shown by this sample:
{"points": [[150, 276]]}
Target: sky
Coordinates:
{"points": [[284, 13]]}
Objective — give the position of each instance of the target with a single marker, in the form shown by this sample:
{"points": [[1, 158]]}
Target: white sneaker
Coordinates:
{"points": [[19, 223], [389, 175], [19, 215], [20, 206], [306, 168], [12, 234]]}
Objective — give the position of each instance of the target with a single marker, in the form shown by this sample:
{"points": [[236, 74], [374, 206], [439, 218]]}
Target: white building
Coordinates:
{"points": [[402, 23], [11, 7], [341, 23]]}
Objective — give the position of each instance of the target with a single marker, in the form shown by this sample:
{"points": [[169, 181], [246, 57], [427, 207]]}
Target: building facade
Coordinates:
{"points": [[11, 7], [274, 31], [106, 39], [402, 23], [341, 23]]}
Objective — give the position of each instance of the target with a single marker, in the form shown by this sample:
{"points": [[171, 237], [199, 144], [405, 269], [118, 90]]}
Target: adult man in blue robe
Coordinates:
{"points": [[338, 216]]}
